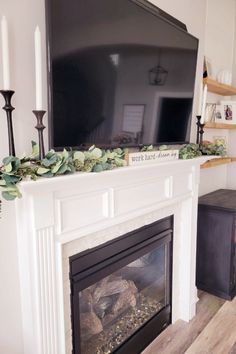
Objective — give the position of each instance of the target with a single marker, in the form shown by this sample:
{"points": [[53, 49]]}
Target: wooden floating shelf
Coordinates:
{"points": [[214, 125], [218, 161], [218, 88]]}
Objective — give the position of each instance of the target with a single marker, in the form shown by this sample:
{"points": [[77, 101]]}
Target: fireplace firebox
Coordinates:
{"points": [[121, 291]]}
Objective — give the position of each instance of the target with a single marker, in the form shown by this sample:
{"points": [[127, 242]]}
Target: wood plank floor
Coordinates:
{"points": [[203, 333], [219, 336]]}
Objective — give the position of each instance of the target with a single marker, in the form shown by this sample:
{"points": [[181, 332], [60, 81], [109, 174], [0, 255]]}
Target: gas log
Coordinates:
{"points": [[102, 304], [90, 324]]}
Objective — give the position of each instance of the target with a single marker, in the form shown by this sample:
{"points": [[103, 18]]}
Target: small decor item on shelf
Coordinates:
{"points": [[220, 141], [225, 77], [218, 118], [228, 112], [207, 70], [8, 108], [210, 112]]}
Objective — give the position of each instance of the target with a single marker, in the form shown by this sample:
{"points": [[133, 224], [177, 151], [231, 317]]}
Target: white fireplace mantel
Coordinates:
{"points": [[54, 212]]}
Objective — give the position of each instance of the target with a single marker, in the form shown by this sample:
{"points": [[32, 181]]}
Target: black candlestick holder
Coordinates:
{"points": [[8, 108], [198, 129], [201, 132], [40, 127]]}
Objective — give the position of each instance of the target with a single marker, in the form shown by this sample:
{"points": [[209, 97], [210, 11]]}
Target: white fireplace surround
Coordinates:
{"points": [[65, 215]]}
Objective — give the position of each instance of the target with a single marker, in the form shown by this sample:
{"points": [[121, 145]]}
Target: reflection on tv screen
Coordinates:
{"points": [[121, 76]]}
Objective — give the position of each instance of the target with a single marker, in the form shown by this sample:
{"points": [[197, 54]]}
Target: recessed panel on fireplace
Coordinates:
{"points": [[120, 292], [146, 194], [92, 208]]}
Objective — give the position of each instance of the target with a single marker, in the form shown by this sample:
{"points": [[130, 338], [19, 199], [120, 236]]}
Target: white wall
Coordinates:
{"points": [[231, 180], [219, 48], [220, 26], [22, 17]]}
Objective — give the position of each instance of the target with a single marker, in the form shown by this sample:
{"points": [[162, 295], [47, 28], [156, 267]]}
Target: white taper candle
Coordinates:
{"points": [[5, 54], [204, 104], [38, 69], [199, 112]]}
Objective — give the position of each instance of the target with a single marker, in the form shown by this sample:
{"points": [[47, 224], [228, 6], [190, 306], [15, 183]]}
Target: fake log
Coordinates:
{"points": [[110, 288], [90, 324]]}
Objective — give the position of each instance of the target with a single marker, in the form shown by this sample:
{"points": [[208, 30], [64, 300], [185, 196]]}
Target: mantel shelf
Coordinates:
{"points": [[218, 162], [214, 125], [218, 88]]}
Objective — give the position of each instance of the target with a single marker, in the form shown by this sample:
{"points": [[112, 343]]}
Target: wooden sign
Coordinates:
{"points": [[149, 157]]}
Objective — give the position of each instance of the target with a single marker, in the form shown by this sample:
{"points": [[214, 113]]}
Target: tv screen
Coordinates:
{"points": [[120, 74]]}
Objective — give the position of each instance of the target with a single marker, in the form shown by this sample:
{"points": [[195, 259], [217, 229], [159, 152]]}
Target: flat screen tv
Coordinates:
{"points": [[121, 73]]}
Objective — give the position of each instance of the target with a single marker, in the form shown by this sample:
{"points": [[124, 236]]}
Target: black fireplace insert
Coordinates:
{"points": [[121, 291]]}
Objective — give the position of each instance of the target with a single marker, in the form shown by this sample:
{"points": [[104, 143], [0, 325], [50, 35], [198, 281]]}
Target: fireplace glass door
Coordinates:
{"points": [[115, 307], [121, 297]]}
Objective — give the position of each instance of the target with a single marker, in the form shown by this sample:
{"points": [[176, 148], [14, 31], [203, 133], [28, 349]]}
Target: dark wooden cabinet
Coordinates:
{"points": [[216, 243]]}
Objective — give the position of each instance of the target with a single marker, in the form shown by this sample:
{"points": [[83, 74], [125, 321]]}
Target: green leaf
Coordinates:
{"points": [[15, 161], [147, 148], [35, 149], [2, 183], [50, 154], [98, 168], [12, 190], [49, 174], [163, 147], [96, 153], [72, 169], [119, 162], [119, 151], [184, 156], [8, 196], [25, 164], [11, 178], [8, 168], [62, 169], [106, 166], [65, 154], [78, 155], [56, 167], [111, 155], [103, 159], [42, 170], [8, 160], [51, 161]]}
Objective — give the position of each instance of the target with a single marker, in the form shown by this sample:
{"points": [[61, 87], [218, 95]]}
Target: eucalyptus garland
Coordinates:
{"points": [[16, 169], [190, 151]]}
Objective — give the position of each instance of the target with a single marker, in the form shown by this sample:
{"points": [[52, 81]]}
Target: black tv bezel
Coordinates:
{"points": [[146, 5]]}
